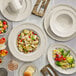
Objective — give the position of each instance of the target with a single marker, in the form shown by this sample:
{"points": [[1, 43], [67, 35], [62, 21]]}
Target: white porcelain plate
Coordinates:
{"points": [[31, 56], [63, 22], [47, 23], [24, 67], [52, 62], [23, 14]]}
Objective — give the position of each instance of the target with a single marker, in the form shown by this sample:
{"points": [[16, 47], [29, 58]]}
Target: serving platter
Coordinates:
{"points": [[52, 62], [23, 14], [47, 24], [31, 56]]}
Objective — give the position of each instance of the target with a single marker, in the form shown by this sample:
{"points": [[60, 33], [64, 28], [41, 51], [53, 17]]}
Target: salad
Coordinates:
{"points": [[63, 58], [3, 26], [3, 51], [27, 41]]}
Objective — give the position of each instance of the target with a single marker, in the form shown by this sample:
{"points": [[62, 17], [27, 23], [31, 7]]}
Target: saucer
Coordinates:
{"points": [[63, 22], [47, 24], [23, 13]]}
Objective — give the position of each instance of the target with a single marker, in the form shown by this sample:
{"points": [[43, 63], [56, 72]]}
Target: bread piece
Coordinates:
{"points": [[29, 71], [27, 74]]}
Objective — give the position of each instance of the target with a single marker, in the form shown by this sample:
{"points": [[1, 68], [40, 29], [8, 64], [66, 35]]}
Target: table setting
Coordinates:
{"points": [[37, 38]]}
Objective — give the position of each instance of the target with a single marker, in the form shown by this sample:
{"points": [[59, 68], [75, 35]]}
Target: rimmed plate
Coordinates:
{"points": [[52, 62], [47, 24], [31, 56], [24, 67], [23, 14], [63, 22]]}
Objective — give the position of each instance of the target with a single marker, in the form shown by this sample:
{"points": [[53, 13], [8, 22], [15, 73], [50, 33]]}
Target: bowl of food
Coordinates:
{"points": [[62, 58], [3, 51], [26, 42], [4, 27]]}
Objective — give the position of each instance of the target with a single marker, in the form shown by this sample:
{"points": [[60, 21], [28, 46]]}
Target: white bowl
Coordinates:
{"points": [[31, 56], [52, 62], [63, 22]]}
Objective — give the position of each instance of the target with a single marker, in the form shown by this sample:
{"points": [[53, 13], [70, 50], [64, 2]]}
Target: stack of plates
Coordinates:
{"points": [[25, 11], [60, 23]]}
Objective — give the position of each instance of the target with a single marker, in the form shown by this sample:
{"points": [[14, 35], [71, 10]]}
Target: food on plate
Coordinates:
{"points": [[12, 65], [3, 51], [63, 58], [29, 71], [2, 43], [3, 26], [27, 41], [2, 54]]}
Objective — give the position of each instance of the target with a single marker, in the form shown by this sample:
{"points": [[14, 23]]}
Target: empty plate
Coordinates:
{"points": [[47, 23], [63, 22], [24, 12]]}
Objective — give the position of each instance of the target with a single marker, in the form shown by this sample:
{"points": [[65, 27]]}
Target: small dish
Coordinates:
{"points": [[4, 27], [24, 68], [63, 22], [47, 23], [24, 12], [52, 62], [30, 56], [3, 72]]}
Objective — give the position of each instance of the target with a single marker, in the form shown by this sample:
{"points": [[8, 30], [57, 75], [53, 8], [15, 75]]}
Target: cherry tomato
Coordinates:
{"points": [[0, 60], [3, 38], [5, 26], [59, 59], [61, 56], [57, 55], [35, 34], [29, 36], [56, 59], [19, 35], [64, 58], [0, 32], [4, 22], [32, 32], [6, 52]]}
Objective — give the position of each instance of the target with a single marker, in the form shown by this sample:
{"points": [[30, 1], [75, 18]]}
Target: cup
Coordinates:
{"points": [[15, 5]]}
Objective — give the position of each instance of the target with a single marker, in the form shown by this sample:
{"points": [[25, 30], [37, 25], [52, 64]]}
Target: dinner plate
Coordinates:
{"points": [[47, 24], [63, 22], [52, 62], [24, 67], [31, 56], [23, 14]]}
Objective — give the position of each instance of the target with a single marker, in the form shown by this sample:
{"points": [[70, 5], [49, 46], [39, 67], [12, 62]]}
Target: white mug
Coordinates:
{"points": [[15, 5]]}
